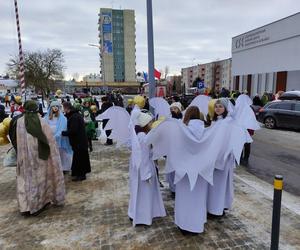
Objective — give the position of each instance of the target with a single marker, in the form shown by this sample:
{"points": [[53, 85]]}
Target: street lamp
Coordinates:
{"points": [[102, 71], [150, 50]]}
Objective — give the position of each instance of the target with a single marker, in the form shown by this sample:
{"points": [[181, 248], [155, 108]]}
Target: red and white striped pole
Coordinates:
{"points": [[21, 56]]}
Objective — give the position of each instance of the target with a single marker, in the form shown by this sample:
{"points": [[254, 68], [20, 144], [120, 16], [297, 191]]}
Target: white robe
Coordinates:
{"points": [[170, 177], [220, 194], [145, 198], [196, 127], [190, 205]]}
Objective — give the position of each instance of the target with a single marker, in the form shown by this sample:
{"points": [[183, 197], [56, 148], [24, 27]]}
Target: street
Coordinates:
{"points": [[276, 152], [95, 215]]}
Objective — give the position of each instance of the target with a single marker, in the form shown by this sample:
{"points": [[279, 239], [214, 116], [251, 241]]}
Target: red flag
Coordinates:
{"points": [[157, 74]]}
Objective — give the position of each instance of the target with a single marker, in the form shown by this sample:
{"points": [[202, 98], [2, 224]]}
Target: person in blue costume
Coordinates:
{"points": [[58, 123]]}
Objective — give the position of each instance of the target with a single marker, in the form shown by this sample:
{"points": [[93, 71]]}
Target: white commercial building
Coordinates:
{"points": [[267, 59]]}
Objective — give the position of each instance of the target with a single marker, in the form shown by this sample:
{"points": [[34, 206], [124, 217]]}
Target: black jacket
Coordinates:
{"points": [[76, 131], [3, 115], [104, 107]]}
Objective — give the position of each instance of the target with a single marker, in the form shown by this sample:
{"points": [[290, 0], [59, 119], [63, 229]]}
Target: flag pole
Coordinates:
{"points": [[150, 50], [21, 56]]}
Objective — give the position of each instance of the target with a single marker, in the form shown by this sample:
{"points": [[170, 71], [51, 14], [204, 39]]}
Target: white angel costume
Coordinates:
{"points": [[193, 159], [201, 101], [162, 109], [145, 198], [190, 205], [221, 193]]}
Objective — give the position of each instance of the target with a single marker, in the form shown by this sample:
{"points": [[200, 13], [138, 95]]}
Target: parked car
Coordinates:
{"points": [[281, 113], [290, 95], [81, 95], [256, 109]]}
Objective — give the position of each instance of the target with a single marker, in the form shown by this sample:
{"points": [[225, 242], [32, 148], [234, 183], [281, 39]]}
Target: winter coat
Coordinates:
{"points": [[104, 107], [76, 131]]}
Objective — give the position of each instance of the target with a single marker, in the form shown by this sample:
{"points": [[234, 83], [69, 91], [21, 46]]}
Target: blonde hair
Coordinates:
{"points": [[51, 114]]}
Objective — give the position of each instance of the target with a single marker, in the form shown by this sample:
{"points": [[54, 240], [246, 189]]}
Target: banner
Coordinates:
{"points": [[107, 33]]}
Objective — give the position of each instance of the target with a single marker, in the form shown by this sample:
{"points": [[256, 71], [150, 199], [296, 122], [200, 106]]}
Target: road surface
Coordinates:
{"points": [[277, 152]]}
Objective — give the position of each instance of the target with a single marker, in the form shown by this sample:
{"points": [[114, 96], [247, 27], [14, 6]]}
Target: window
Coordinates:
{"points": [[297, 107], [284, 106], [273, 106]]}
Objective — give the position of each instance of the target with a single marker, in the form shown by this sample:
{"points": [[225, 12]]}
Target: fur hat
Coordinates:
{"points": [[54, 104], [224, 102], [144, 119], [177, 105]]}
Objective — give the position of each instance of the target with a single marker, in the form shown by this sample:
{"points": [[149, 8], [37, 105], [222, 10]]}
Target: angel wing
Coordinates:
{"points": [[243, 113], [201, 101], [161, 107], [187, 155], [119, 124], [122, 126]]}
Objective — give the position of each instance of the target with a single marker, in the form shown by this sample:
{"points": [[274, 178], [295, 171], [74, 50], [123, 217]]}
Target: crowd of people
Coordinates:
{"points": [[201, 185], [48, 146]]}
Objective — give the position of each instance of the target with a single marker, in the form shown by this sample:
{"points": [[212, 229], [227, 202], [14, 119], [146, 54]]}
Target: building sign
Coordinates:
{"points": [[107, 33], [278, 31], [201, 85], [251, 40], [272, 48]]}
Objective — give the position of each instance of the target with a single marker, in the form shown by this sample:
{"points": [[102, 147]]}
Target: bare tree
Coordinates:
{"points": [[42, 68]]}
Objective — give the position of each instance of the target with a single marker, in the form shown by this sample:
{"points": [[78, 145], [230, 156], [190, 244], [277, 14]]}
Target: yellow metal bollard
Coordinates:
{"points": [[278, 186]]}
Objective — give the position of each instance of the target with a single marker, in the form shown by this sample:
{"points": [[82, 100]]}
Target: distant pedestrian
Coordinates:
{"points": [[119, 100], [95, 101], [3, 115], [16, 107], [79, 143], [265, 99], [90, 128], [257, 101], [105, 105], [7, 100], [247, 150]]}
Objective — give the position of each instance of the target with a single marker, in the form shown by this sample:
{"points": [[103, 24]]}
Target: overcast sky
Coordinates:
{"points": [[186, 32]]}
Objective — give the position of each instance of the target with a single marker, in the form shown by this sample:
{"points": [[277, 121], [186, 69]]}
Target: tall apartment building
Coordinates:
{"points": [[117, 45], [214, 74]]}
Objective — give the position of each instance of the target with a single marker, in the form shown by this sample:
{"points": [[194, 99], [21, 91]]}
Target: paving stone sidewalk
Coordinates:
{"points": [[95, 216]]}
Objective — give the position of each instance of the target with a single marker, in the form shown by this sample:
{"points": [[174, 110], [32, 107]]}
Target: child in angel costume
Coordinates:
{"points": [[193, 153], [221, 193], [145, 201], [195, 158]]}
